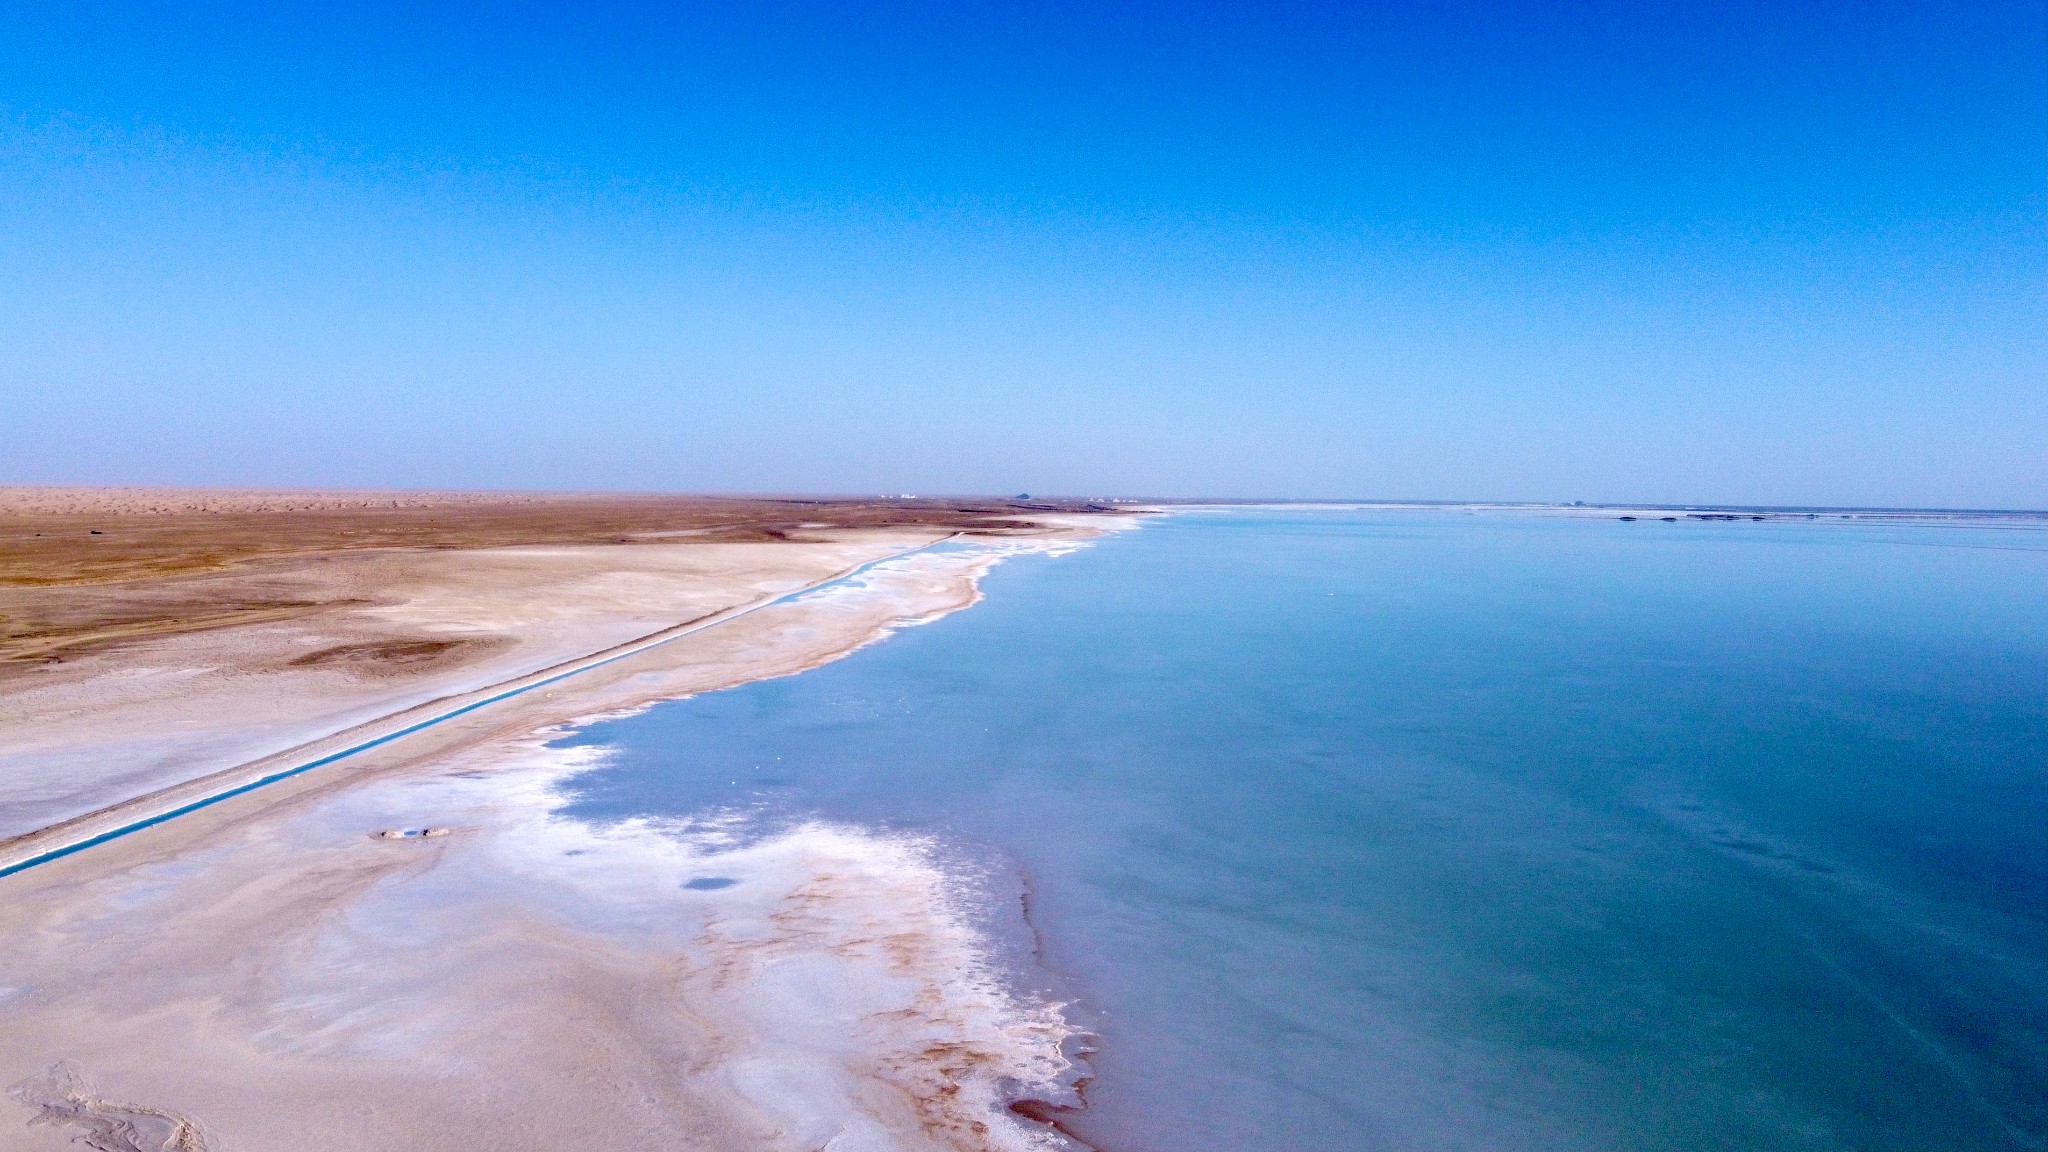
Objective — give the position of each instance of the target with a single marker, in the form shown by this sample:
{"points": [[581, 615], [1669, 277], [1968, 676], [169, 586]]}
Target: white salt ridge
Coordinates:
{"points": [[853, 998]]}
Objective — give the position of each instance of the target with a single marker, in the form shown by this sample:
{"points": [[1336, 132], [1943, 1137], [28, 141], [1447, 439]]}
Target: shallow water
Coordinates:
{"points": [[1357, 829]]}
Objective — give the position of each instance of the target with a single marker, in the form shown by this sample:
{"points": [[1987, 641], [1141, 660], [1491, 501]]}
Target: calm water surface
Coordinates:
{"points": [[1405, 829]]}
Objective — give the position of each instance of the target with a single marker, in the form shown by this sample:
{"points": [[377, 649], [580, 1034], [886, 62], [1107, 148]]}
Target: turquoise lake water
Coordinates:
{"points": [[1390, 829]]}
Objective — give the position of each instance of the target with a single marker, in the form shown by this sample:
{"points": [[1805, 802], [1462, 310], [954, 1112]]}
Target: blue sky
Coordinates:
{"points": [[1771, 254]]}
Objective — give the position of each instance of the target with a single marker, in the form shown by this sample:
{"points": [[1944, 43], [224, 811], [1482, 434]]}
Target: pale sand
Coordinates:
{"points": [[267, 973]]}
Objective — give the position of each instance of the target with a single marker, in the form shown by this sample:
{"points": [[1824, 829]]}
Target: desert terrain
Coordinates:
{"points": [[297, 965]]}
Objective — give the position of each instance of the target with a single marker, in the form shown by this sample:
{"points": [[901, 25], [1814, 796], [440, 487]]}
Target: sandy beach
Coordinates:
{"points": [[303, 965]]}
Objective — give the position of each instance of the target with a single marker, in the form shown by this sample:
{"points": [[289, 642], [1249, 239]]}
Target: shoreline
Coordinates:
{"points": [[148, 639], [270, 858], [27, 850]]}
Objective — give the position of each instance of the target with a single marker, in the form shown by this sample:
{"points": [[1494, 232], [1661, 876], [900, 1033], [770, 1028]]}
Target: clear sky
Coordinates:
{"points": [[1766, 253]]}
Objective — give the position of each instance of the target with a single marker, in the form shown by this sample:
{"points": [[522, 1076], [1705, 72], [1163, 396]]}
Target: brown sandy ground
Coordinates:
{"points": [[124, 557], [266, 973]]}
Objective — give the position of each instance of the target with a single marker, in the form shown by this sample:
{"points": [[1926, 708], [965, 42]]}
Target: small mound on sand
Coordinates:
{"points": [[386, 654]]}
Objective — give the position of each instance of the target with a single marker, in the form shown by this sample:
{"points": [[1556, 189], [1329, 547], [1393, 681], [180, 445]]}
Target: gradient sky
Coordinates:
{"points": [[1764, 253]]}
